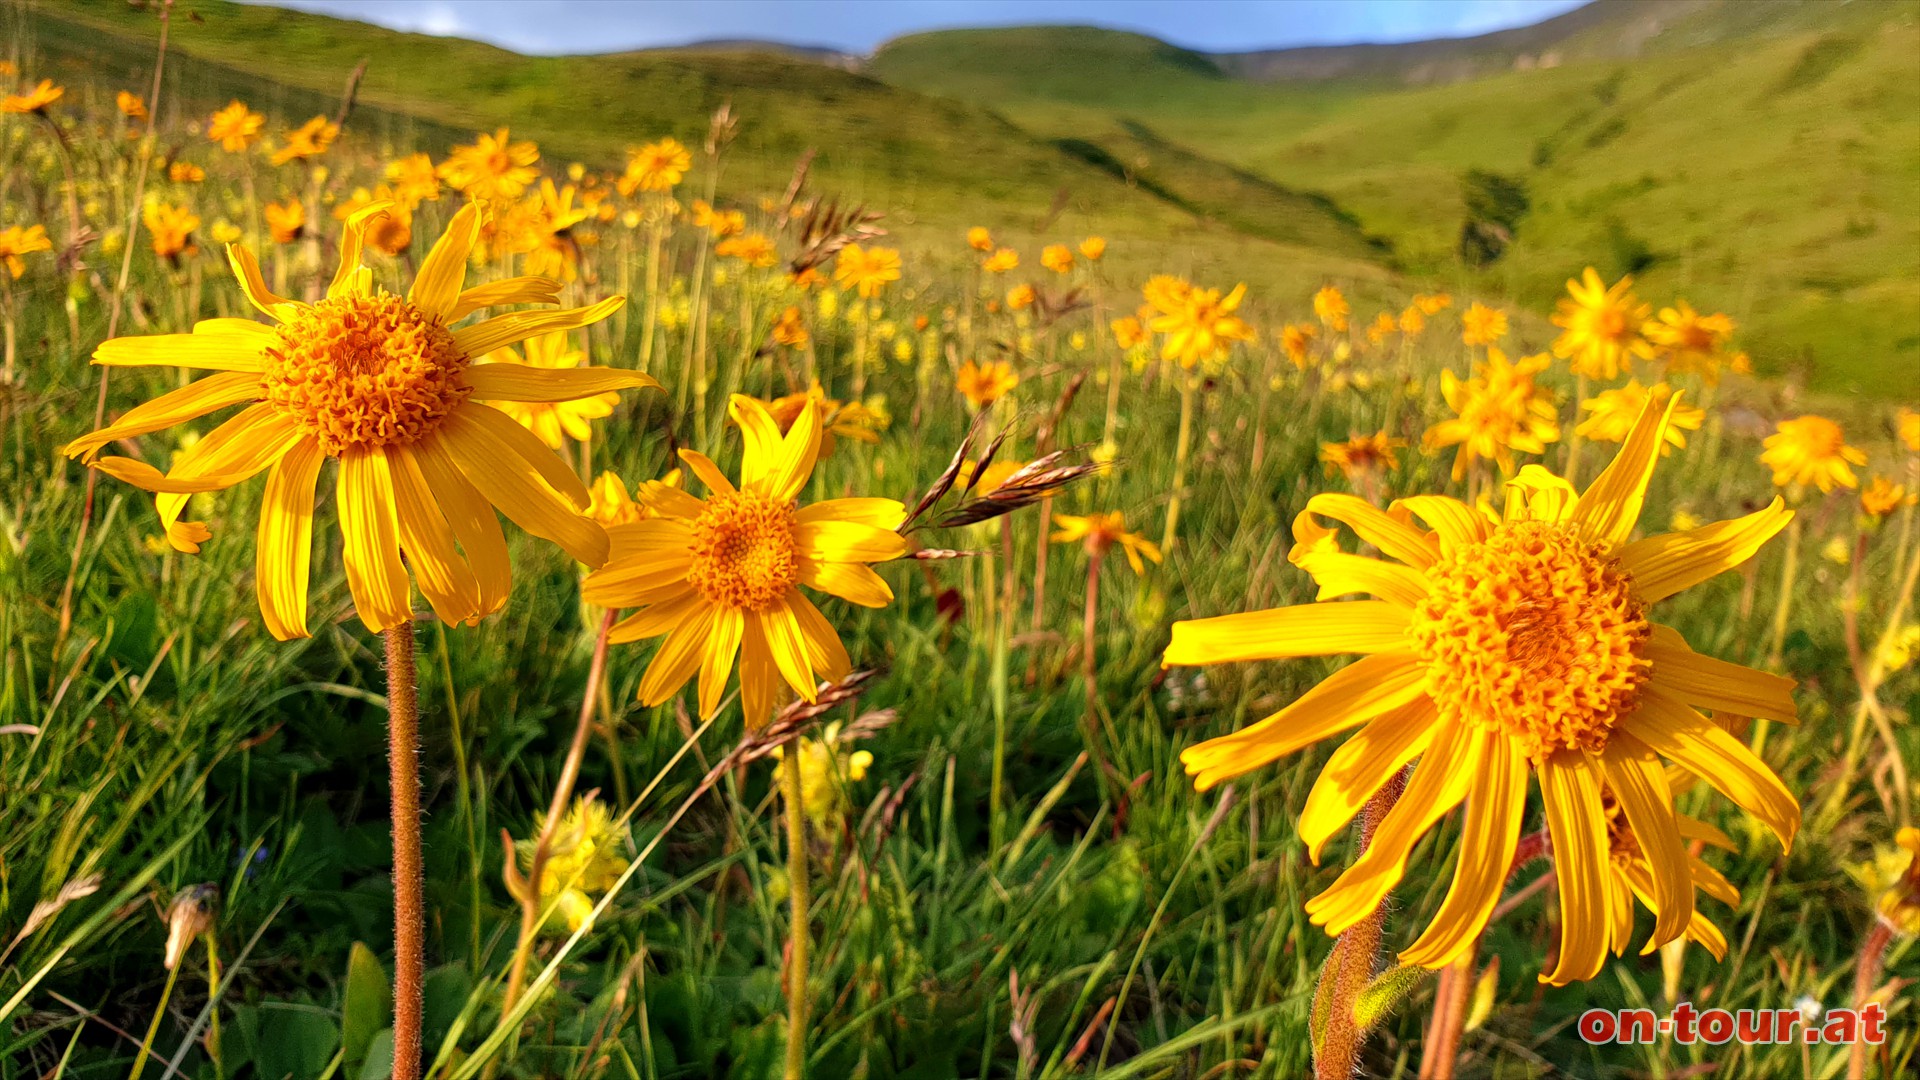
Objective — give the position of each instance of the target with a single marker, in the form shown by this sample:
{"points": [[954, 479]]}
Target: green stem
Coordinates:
{"points": [[799, 931], [153, 1027], [1188, 383]]}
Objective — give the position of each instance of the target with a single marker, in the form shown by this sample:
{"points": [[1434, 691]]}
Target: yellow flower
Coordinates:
{"points": [[235, 127], [1413, 321], [583, 860], [1383, 327], [1614, 412], [1630, 874], [185, 172], [494, 168], [286, 222], [1098, 533], [1498, 411], [791, 329], [545, 232], [1057, 258], [35, 100], [1432, 303], [1600, 327], [553, 422], [1200, 324], [611, 504], [866, 270], [1164, 292], [171, 228], [1020, 297], [1128, 332], [380, 382], [979, 239], [1899, 905], [1330, 306], [130, 105], [984, 384], [719, 576], [1482, 325], [1811, 450], [390, 233], [825, 770], [309, 140], [1296, 340], [657, 166], [1497, 649], [1908, 428], [1361, 454], [413, 180], [1689, 341], [16, 242], [752, 249], [1093, 248], [840, 419], [718, 223], [1882, 497], [1001, 261]]}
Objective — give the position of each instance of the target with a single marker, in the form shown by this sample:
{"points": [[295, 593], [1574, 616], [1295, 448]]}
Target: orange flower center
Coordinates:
{"points": [[744, 554], [362, 372], [1535, 633]]}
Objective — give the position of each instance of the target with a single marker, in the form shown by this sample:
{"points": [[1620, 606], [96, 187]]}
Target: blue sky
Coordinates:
{"points": [[577, 26]]}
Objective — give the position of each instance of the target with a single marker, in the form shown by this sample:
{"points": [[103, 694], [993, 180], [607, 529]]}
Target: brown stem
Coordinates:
{"points": [[409, 882], [1354, 954], [1866, 974], [1449, 1017]]}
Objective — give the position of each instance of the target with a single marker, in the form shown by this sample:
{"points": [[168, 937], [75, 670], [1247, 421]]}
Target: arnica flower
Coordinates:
{"points": [[979, 239], [753, 249], [546, 233], [384, 384], [1296, 340], [1811, 450], [554, 422], [1093, 248], [866, 270], [583, 861], [130, 105], [1882, 497], [657, 166], [390, 233], [185, 172], [1600, 327], [1021, 297], [984, 384], [17, 242], [790, 329], [1165, 292], [838, 419], [413, 180], [1613, 413], [1688, 341], [613, 504], [720, 576], [1100, 533], [826, 768], [1899, 901], [1431, 304], [1631, 875], [1497, 412], [308, 141], [1001, 261], [494, 168], [1496, 649], [1331, 308], [1057, 258], [1128, 332], [1200, 324], [235, 127], [1361, 455], [718, 223], [35, 100], [286, 222], [1907, 428], [1482, 325], [171, 228], [1384, 326]]}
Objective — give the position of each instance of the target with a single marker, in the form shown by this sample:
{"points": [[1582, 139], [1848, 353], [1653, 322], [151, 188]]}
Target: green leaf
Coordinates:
{"points": [[1384, 993], [379, 1063], [368, 1007]]}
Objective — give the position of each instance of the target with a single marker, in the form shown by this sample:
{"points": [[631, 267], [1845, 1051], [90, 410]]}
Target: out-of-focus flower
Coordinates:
{"points": [[553, 422], [984, 384], [1001, 261], [1811, 450], [1296, 340], [1093, 248], [1907, 425], [130, 105], [17, 242], [307, 141], [790, 329], [235, 127], [1128, 332], [1099, 533], [657, 166], [493, 167], [979, 239], [1020, 297], [753, 249], [1882, 496], [1384, 326], [1361, 456], [1200, 324], [1431, 304], [839, 419], [826, 767], [185, 172], [35, 100], [171, 228], [1057, 258], [286, 221], [188, 916], [1482, 325], [390, 233], [611, 504], [1600, 327], [1330, 306], [583, 860], [866, 270], [413, 179], [1689, 341], [718, 223], [1497, 412], [1613, 413], [1413, 321]]}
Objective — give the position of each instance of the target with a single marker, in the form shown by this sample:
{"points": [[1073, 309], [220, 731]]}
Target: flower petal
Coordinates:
{"points": [[193, 400], [1676, 732], [210, 352], [436, 289], [1457, 524], [1496, 809], [760, 434], [1639, 783], [346, 278], [716, 661], [500, 381], [852, 582], [656, 619], [375, 573], [782, 629], [709, 473], [847, 541], [283, 547], [1570, 787], [472, 518], [1362, 764], [677, 658], [880, 513], [1707, 683], [483, 337], [1358, 626], [1394, 538], [426, 539], [825, 653], [516, 484], [514, 290], [1340, 574], [1608, 510], [798, 453], [646, 555], [1666, 564], [759, 676], [247, 270]]}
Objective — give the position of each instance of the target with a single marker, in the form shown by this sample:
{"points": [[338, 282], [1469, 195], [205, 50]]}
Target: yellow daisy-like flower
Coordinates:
{"points": [[387, 386], [614, 505], [984, 384], [1482, 325], [1431, 304], [979, 239], [1296, 340], [1600, 327], [171, 229], [839, 419], [1498, 411], [413, 180], [307, 141], [1200, 324], [1093, 248], [130, 105], [1614, 412], [657, 166], [185, 172], [1811, 450], [826, 767], [1001, 261], [545, 232], [1128, 332], [1631, 875], [1098, 533], [753, 249], [1361, 454], [1057, 258], [866, 270], [720, 576], [1331, 308], [1496, 649], [718, 223], [554, 422], [1691, 342], [35, 100], [1413, 321], [1384, 326], [1907, 427], [1882, 497], [1021, 297], [235, 127], [493, 168], [16, 242], [391, 233], [286, 222]]}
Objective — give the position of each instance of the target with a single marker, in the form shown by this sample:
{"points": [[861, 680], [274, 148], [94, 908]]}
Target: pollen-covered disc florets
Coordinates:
{"points": [[744, 554], [1533, 632], [362, 372]]}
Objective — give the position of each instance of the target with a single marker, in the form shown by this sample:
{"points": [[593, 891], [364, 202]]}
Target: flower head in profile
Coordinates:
{"points": [[286, 221], [1296, 340], [1611, 415], [1600, 327], [1093, 248], [790, 329], [838, 419], [35, 100], [1496, 651], [1688, 341], [866, 270], [657, 166], [754, 249], [720, 577], [827, 765], [171, 229], [388, 387], [1882, 497], [1200, 324], [1811, 451], [235, 127], [16, 243], [1057, 258], [984, 384], [584, 859], [390, 233], [307, 141], [1129, 332], [1431, 304], [1497, 412], [1361, 456], [1384, 326], [553, 422], [1001, 261], [1331, 308], [613, 503], [1101, 533], [493, 167], [1482, 325], [979, 239]]}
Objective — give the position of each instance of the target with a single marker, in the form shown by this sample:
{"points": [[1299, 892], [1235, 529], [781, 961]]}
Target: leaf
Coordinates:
{"points": [[1384, 993], [368, 1007], [379, 1063], [295, 1042]]}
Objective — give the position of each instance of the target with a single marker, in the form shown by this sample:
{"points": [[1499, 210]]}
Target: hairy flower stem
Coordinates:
{"points": [[530, 897], [1189, 383], [1355, 953], [1866, 973], [799, 932], [1442, 1050], [409, 882]]}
